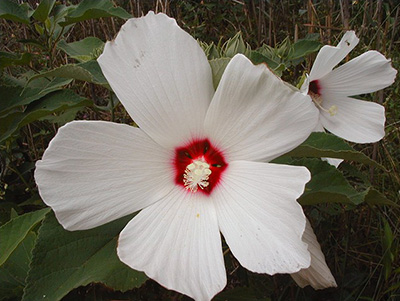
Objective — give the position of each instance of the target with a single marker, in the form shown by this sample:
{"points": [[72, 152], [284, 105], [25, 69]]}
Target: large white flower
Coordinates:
{"points": [[193, 167], [349, 118]]}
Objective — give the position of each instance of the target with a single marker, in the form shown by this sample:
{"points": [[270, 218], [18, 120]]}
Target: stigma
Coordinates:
{"points": [[196, 175]]}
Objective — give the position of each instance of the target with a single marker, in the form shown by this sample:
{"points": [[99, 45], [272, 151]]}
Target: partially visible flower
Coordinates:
{"points": [[349, 118], [194, 167], [318, 275]]}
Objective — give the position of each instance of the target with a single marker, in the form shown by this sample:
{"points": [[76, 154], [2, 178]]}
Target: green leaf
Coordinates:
{"points": [[83, 50], [64, 260], [39, 29], [63, 118], [283, 48], [327, 184], [15, 96], [259, 58], [43, 10], [218, 67], [235, 45], [269, 58], [89, 71], [302, 48], [374, 197], [61, 11], [324, 145], [10, 10], [58, 14], [210, 50], [13, 232], [13, 273], [13, 59], [89, 9], [49, 104], [33, 42]]}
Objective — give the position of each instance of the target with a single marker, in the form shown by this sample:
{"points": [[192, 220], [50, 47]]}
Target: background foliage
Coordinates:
{"points": [[49, 76]]}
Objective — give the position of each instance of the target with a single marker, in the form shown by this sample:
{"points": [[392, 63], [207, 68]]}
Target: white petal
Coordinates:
{"points": [[318, 274], [177, 243], [329, 56], [259, 217], [94, 172], [162, 77], [319, 127], [333, 161], [254, 115], [366, 73], [306, 84], [356, 120]]}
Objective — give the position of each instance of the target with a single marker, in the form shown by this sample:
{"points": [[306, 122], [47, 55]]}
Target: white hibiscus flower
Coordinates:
{"points": [[349, 118], [193, 167]]}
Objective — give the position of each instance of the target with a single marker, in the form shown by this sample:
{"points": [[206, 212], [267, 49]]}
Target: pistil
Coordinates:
{"points": [[196, 175]]}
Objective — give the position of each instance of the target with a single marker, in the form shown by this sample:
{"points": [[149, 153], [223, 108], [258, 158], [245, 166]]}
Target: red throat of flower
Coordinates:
{"points": [[198, 166], [314, 90], [314, 87]]}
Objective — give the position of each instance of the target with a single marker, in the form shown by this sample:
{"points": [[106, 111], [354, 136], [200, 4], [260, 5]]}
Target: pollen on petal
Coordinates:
{"points": [[333, 110]]}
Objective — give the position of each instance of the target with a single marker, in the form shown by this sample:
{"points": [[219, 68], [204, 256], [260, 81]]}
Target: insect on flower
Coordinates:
{"points": [[195, 167]]}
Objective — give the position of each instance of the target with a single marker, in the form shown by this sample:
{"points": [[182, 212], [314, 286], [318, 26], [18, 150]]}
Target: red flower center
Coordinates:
{"points": [[314, 87], [198, 165]]}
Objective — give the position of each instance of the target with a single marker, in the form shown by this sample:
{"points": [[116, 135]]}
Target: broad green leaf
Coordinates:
{"points": [[10, 10], [89, 9], [63, 118], [13, 232], [42, 11], [89, 71], [374, 197], [47, 85], [15, 96], [320, 145], [302, 48], [64, 260], [49, 104], [271, 60], [14, 271], [12, 59], [83, 50], [218, 67], [327, 184]]}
